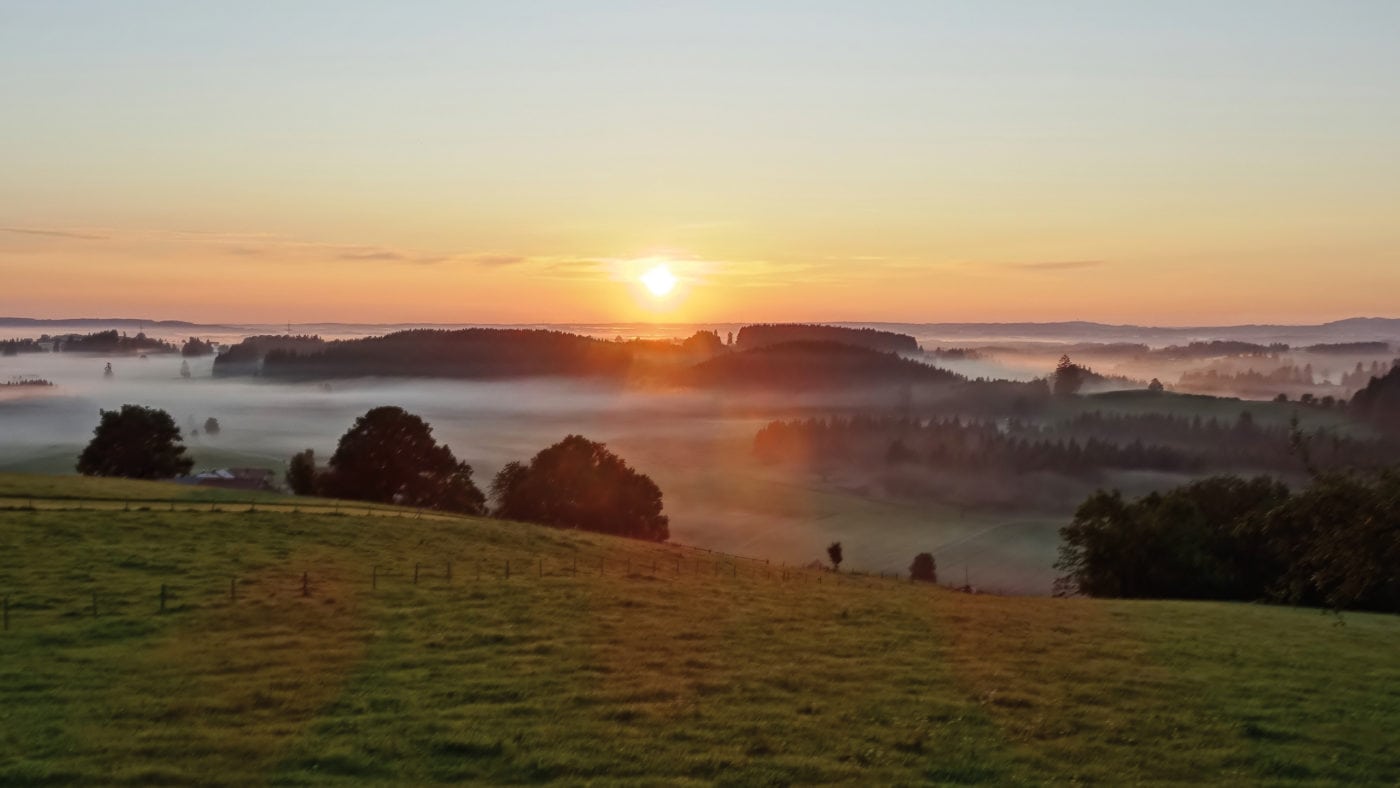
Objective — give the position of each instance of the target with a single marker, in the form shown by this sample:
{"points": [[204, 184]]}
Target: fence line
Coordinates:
{"points": [[566, 567]]}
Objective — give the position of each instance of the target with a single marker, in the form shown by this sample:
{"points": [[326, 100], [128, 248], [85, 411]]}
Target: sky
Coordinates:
{"points": [[521, 162]]}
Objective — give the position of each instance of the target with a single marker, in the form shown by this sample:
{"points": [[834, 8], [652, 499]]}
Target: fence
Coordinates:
{"points": [[646, 561]]}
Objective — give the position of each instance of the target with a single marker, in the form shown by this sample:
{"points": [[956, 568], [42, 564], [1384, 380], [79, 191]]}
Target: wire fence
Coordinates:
{"points": [[123, 597]]}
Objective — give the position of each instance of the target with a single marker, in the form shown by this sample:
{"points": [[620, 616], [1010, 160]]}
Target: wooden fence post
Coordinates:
{"points": [[233, 589], [541, 567], [374, 578], [415, 574], [7, 614], [306, 584], [449, 573], [162, 597], [94, 604], [507, 568], [575, 564]]}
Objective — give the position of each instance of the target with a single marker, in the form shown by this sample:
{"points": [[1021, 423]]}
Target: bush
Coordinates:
{"points": [[833, 551], [923, 570]]}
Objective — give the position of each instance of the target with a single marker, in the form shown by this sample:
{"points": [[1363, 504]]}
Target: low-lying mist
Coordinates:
{"points": [[696, 445]]}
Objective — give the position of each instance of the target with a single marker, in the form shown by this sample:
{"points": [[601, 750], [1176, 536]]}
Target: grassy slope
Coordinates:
{"points": [[671, 678]]}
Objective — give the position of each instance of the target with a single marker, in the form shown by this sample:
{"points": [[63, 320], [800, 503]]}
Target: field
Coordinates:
{"points": [[600, 659]]}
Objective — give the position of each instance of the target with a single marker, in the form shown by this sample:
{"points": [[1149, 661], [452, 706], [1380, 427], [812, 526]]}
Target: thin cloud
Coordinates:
{"points": [[80, 236], [1056, 265], [372, 255]]}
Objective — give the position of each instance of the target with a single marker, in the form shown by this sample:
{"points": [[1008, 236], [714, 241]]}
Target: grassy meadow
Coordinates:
{"points": [[606, 660]]}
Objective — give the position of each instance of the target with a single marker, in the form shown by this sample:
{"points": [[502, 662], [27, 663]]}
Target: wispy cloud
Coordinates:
{"points": [[52, 233], [267, 246], [1056, 265]]}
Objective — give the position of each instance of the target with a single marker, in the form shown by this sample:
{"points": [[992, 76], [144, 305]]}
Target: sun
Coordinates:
{"points": [[659, 280]]}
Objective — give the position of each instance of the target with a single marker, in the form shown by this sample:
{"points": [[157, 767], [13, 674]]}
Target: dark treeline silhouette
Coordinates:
{"points": [[1070, 378], [955, 353], [1358, 348], [1217, 348], [763, 335], [466, 353], [14, 347], [813, 365], [481, 353], [1359, 377], [246, 357], [110, 342], [194, 346], [1336, 542], [954, 444], [1249, 381], [1083, 445], [1379, 401]]}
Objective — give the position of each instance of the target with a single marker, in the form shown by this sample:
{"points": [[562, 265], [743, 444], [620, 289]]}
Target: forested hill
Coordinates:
{"points": [[807, 365], [468, 353], [486, 353], [757, 336]]}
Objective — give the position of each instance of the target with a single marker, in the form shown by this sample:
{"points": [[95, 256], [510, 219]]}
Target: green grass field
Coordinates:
{"points": [[728, 671]]}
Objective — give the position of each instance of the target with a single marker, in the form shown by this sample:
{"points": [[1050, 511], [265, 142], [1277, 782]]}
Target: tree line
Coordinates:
{"points": [[390, 456], [1081, 445], [1334, 542]]}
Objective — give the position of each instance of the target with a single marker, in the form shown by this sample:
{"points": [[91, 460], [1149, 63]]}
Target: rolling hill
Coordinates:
{"points": [[308, 647]]}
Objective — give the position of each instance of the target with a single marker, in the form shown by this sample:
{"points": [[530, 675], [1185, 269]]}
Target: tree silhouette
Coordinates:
{"points": [[390, 456], [579, 483], [211, 426], [923, 570], [833, 551], [136, 443], [301, 473], [1069, 378]]}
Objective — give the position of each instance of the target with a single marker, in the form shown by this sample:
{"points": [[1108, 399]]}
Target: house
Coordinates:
{"points": [[254, 479]]}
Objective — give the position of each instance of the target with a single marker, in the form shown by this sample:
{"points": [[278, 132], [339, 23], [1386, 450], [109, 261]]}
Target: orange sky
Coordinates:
{"points": [[1001, 161]]}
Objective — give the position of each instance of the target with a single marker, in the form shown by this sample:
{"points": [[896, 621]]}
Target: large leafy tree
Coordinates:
{"points": [[137, 443], [579, 483], [389, 455]]}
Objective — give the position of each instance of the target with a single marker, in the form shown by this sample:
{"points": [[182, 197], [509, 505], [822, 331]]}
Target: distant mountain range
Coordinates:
{"points": [[96, 322], [1356, 329]]}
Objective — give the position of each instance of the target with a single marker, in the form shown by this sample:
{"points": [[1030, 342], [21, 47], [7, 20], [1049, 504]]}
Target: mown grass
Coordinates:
{"points": [[723, 673]]}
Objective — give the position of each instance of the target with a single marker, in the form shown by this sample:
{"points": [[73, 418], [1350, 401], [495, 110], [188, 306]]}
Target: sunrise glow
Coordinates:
{"points": [[660, 281]]}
